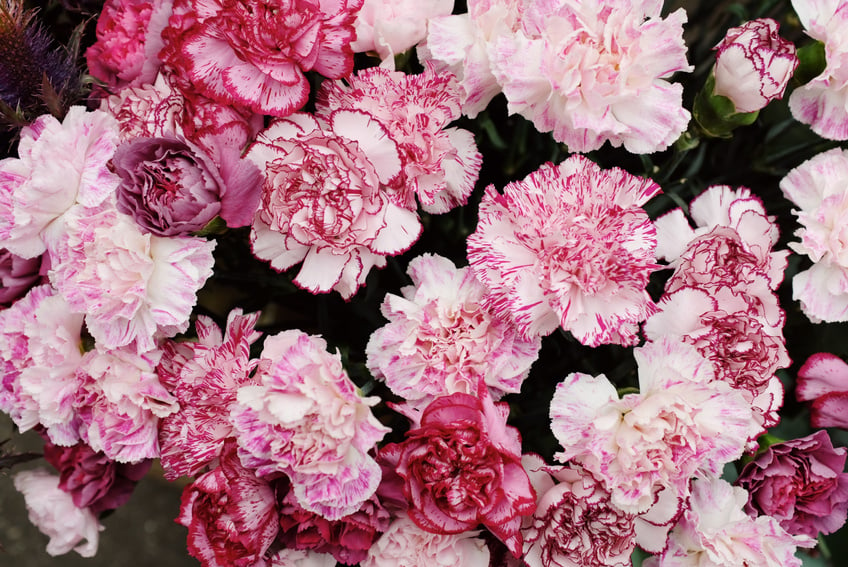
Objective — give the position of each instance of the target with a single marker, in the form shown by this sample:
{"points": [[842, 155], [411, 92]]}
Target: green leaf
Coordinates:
{"points": [[811, 63]]}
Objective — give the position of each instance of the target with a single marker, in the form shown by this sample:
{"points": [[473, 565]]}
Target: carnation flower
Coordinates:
{"points": [[406, 545], [230, 515], [593, 73], [801, 483], [61, 164], [134, 288], [753, 64], [299, 558], [254, 54], [172, 187], [461, 467], [305, 419], [818, 188], [823, 379], [440, 164], [19, 275], [715, 532], [823, 102], [390, 27], [681, 422], [93, 480], [54, 513], [442, 337], [568, 246], [204, 376], [325, 202]]}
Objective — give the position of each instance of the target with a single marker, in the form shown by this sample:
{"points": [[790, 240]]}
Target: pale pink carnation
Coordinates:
{"points": [[823, 380], [53, 512], [390, 27], [440, 164], [716, 532], [681, 422], [301, 558], [819, 188], [134, 288], [594, 72], [460, 44], [325, 200], [254, 55], [442, 337], [60, 164], [204, 376], [120, 402], [753, 64], [823, 102], [406, 545], [569, 246], [305, 419]]}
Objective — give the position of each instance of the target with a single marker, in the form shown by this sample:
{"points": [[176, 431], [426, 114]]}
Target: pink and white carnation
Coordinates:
{"points": [[325, 200], [19, 275], [53, 512], [134, 288], [819, 188], [734, 335], [753, 64], [593, 73], [404, 543], [460, 44], [822, 103], [301, 558], [440, 164], [715, 532], [568, 246], [61, 164], [305, 419], [730, 245], [390, 27], [254, 54], [682, 422], [823, 380], [120, 402], [128, 42], [204, 377], [40, 350], [443, 338]]}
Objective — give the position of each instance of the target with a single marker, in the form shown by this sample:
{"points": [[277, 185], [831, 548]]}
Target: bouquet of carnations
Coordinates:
{"points": [[543, 283]]}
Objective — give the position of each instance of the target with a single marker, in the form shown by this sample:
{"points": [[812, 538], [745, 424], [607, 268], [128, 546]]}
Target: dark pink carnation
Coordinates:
{"points": [[254, 53], [462, 467], [801, 484], [230, 514], [92, 479], [18, 275]]}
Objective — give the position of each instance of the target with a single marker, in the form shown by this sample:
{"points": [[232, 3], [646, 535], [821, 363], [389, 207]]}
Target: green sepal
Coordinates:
{"points": [[812, 61], [215, 226], [716, 115]]}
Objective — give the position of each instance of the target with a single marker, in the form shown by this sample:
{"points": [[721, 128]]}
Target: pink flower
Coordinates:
{"points": [[54, 513], [93, 480], [404, 543], [442, 337], [800, 483], [230, 515], [440, 164], [128, 42], [594, 73], [134, 288], [61, 164], [347, 539], [823, 379], [715, 532], [461, 467], [753, 64], [390, 27], [254, 54], [568, 246], [818, 188], [305, 419], [823, 102], [681, 422], [325, 200], [299, 558], [204, 376], [19, 275], [575, 525]]}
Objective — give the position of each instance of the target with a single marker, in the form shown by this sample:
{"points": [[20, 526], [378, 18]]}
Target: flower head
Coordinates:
{"points": [[823, 379]]}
